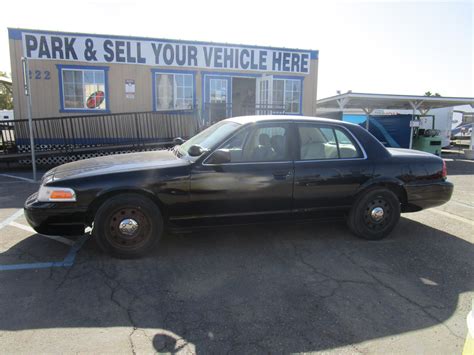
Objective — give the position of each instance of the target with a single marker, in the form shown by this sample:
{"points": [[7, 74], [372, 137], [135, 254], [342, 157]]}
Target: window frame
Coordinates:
{"points": [[285, 79], [155, 72], [349, 134], [290, 153], [82, 68]]}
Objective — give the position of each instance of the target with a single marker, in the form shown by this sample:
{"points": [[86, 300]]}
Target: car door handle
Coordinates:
{"points": [[281, 174]]}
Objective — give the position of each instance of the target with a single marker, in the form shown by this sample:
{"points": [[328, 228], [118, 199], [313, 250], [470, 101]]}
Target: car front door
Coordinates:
{"points": [[329, 168], [256, 182]]}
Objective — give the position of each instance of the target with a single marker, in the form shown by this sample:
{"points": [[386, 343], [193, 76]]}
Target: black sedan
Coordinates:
{"points": [[240, 170]]}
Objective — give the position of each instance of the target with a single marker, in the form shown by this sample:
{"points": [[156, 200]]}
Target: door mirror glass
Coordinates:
{"points": [[178, 141], [220, 156], [196, 150]]}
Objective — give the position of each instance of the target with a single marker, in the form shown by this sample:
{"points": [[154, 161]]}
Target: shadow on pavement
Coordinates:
{"points": [[13, 192], [285, 288]]}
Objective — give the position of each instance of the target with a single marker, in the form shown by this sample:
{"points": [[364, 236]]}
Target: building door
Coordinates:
{"points": [[218, 104], [243, 96], [264, 95]]}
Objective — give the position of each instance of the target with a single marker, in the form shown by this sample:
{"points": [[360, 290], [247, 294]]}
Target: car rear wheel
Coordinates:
{"points": [[127, 225], [374, 214]]}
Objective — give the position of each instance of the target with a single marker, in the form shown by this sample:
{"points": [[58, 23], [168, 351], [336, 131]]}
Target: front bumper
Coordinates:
{"points": [[52, 218], [422, 196]]}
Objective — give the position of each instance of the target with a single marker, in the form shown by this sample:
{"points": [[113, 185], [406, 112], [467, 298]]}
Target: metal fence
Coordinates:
{"points": [[75, 133], [216, 111]]}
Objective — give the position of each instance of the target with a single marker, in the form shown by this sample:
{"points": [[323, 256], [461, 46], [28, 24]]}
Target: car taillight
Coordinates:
{"points": [[445, 170]]}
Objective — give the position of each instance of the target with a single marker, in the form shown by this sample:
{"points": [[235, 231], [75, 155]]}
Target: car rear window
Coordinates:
{"points": [[324, 142]]}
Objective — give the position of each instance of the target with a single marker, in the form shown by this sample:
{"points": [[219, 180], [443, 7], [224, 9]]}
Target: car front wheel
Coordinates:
{"points": [[374, 214], [127, 225]]}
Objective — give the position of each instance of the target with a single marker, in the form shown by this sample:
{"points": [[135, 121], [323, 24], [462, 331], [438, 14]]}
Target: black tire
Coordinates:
{"points": [[367, 221], [127, 226]]}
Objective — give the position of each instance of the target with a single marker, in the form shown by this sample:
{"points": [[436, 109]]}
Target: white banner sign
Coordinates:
{"points": [[162, 53]]}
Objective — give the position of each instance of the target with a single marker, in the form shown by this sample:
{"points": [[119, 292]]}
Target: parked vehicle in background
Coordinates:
{"points": [[243, 169]]}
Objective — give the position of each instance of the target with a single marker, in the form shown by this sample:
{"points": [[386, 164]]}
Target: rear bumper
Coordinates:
{"points": [[54, 218], [422, 196]]}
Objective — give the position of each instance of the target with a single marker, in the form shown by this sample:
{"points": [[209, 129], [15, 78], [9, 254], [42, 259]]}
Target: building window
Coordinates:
{"points": [[174, 91], [287, 94], [84, 89], [218, 90]]}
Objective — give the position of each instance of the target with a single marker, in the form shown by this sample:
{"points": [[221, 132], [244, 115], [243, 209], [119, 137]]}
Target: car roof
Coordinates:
{"points": [[262, 118]]}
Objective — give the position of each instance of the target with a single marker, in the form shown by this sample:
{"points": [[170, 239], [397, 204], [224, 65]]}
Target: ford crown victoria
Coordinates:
{"points": [[240, 170]]}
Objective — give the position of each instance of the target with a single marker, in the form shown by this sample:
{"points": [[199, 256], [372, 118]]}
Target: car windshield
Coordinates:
{"points": [[210, 136]]}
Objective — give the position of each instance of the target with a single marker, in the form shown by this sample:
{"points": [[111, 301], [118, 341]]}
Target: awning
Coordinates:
{"points": [[370, 102]]}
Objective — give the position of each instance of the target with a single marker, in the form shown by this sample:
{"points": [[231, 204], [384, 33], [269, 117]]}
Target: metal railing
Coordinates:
{"points": [[70, 134], [216, 111]]}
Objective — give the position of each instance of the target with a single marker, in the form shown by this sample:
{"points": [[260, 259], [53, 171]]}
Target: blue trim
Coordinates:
{"points": [[208, 78], [165, 71], [230, 74], [205, 94], [62, 109], [18, 32], [206, 75], [14, 33], [78, 110], [294, 77]]}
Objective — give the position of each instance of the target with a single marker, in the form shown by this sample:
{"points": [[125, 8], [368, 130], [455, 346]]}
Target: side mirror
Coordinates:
{"points": [[196, 150], [178, 141], [220, 156]]}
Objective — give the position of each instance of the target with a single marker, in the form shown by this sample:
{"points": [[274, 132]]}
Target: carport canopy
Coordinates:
{"points": [[370, 102]]}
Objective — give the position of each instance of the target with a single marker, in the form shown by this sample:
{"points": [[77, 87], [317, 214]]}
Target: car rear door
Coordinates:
{"points": [[330, 167], [258, 181]]}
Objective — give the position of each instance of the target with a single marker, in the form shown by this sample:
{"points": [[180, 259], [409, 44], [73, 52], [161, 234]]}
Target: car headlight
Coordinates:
{"points": [[56, 194]]}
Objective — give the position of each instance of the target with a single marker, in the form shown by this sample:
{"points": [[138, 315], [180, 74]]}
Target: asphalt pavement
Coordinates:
{"points": [[285, 288]]}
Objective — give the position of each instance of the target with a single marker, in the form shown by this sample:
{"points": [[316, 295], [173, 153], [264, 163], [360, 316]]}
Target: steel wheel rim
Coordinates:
{"points": [[123, 237], [377, 214]]}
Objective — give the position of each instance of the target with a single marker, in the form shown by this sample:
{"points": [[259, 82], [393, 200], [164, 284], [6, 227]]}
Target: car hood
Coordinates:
{"points": [[115, 164]]}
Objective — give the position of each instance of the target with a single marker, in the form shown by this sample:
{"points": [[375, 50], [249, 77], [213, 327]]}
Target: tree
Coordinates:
{"points": [[6, 92], [428, 93]]}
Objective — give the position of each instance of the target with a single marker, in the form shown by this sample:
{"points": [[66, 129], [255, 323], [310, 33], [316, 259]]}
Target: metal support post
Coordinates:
{"points": [[415, 105], [368, 112], [27, 88]]}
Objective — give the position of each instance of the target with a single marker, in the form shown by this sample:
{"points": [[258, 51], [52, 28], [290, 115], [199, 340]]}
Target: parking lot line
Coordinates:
{"points": [[46, 265], [10, 219], [68, 261], [452, 216], [53, 237], [18, 177]]}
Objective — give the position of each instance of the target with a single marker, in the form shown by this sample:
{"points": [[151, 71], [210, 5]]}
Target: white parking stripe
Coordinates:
{"points": [[10, 219], [453, 216], [53, 237], [17, 177], [22, 226]]}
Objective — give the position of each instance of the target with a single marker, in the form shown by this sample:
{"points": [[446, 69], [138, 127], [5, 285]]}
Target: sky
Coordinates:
{"points": [[397, 47]]}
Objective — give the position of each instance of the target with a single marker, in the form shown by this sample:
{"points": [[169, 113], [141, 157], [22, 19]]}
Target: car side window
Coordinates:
{"points": [[259, 144], [320, 143]]}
